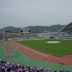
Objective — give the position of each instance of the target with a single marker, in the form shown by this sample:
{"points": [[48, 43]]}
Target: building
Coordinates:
{"points": [[46, 35], [25, 32]]}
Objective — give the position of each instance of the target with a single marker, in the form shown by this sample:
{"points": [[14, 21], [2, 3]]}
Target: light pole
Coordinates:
{"points": [[4, 42]]}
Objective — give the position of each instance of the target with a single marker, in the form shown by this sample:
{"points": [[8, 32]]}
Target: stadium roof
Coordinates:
{"points": [[67, 28]]}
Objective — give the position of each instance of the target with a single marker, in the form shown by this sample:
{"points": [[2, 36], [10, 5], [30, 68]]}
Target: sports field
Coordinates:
{"points": [[13, 51], [61, 49]]}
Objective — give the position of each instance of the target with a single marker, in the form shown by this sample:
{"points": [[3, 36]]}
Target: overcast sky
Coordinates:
{"points": [[21, 13]]}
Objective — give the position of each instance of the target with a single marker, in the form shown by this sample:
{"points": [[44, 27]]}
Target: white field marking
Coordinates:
{"points": [[38, 52], [53, 42], [30, 49], [11, 54]]}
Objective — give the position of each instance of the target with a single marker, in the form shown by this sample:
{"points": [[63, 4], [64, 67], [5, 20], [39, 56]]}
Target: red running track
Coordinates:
{"points": [[66, 60], [7, 50]]}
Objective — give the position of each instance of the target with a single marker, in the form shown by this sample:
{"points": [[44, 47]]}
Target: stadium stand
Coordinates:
{"points": [[67, 31], [11, 67], [67, 27]]}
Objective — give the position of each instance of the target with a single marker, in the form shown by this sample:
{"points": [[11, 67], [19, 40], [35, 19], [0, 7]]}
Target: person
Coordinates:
{"points": [[62, 62]]}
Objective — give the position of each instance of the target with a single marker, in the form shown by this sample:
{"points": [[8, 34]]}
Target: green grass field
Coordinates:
{"points": [[61, 49]]}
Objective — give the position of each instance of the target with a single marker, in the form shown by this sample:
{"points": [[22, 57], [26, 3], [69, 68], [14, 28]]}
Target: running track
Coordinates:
{"points": [[67, 60]]}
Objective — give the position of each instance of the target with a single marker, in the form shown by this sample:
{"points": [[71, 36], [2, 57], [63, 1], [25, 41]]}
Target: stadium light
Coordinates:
{"points": [[4, 42]]}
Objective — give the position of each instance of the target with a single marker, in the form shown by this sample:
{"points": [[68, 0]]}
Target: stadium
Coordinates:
{"points": [[37, 52]]}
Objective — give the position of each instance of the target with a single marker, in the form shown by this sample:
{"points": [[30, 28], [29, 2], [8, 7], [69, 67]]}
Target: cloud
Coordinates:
{"points": [[34, 12]]}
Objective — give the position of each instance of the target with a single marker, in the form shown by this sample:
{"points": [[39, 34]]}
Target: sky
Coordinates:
{"points": [[22, 13]]}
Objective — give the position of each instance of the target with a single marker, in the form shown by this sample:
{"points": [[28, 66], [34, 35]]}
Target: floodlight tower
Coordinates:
{"points": [[4, 42], [3, 36], [4, 39]]}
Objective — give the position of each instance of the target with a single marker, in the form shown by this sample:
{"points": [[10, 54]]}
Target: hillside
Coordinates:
{"points": [[10, 29], [34, 29], [39, 29]]}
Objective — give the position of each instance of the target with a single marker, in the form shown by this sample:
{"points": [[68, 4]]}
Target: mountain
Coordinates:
{"points": [[40, 29], [34, 29], [10, 29]]}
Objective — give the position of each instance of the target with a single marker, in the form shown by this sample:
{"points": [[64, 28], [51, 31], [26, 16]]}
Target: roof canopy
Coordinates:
{"points": [[67, 28]]}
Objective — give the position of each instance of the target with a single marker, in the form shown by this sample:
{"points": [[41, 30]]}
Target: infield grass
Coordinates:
{"points": [[61, 49]]}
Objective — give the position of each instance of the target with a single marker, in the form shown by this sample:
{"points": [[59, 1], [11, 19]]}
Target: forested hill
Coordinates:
{"points": [[10, 29], [35, 29], [39, 29]]}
